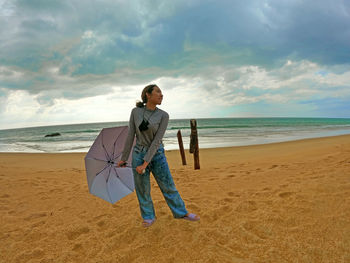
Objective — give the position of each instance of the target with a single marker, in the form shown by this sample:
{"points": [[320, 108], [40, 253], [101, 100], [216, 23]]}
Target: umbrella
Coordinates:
{"points": [[105, 180]]}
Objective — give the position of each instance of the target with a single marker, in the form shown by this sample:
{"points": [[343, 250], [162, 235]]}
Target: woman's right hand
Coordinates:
{"points": [[121, 164]]}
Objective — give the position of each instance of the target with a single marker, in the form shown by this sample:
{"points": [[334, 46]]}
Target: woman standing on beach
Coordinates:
{"points": [[149, 124]]}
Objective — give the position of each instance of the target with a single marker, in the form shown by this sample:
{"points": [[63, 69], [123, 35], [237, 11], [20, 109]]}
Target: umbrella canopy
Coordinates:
{"points": [[105, 180]]}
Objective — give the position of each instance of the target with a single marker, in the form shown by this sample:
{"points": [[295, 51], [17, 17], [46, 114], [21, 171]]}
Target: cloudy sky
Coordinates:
{"points": [[70, 61]]}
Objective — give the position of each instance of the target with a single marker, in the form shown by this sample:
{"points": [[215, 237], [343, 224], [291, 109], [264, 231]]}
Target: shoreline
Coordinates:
{"points": [[206, 149], [213, 133]]}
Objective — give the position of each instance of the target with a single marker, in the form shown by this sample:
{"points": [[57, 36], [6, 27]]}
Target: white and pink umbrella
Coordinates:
{"points": [[105, 180]]}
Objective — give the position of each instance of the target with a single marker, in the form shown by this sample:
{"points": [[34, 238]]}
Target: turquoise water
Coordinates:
{"points": [[211, 132]]}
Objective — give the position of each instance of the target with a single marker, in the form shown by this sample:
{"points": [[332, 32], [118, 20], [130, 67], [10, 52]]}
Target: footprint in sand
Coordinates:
{"points": [[45, 197], [98, 217], [225, 201], [101, 223], [77, 232], [35, 216], [228, 200], [59, 191], [233, 194], [285, 194], [253, 228], [247, 207], [77, 247], [217, 214], [38, 224], [219, 237]]}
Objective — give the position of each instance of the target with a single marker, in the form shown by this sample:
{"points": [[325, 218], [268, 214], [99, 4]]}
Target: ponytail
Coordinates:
{"points": [[148, 89], [140, 104]]}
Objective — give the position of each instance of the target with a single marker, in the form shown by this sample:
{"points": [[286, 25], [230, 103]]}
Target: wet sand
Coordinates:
{"points": [[282, 202]]}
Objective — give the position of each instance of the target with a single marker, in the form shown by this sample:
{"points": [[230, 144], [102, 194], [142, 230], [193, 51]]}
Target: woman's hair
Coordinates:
{"points": [[148, 89]]}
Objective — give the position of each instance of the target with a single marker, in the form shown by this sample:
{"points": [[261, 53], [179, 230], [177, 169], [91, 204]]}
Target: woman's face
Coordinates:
{"points": [[156, 96]]}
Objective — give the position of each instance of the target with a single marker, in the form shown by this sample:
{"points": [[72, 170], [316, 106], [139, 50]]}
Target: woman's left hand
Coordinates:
{"points": [[141, 169]]}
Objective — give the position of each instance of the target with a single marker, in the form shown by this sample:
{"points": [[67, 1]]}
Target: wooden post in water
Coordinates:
{"points": [[194, 144], [181, 146]]}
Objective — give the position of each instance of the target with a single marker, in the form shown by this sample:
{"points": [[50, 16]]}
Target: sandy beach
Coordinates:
{"points": [[281, 202]]}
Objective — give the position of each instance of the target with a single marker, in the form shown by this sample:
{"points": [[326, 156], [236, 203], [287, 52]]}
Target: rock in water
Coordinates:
{"points": [[53, 134]]}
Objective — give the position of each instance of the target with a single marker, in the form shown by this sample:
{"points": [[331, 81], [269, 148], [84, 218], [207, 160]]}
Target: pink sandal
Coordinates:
{"points": [[148, 222], [191, 217]]}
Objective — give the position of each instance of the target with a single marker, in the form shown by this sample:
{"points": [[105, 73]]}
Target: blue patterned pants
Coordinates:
{"points": [[160, 170]]}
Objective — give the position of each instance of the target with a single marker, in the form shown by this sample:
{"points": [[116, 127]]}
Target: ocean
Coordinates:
{"points": [[215, 132]]}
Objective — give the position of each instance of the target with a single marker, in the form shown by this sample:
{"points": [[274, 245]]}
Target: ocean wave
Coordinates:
{"points": [[212, 127], [82, 131], [211, 132], [259, 126]]}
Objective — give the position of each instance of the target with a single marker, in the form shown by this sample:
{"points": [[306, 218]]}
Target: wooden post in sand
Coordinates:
{"points": [[181, 146], [194, 144]]}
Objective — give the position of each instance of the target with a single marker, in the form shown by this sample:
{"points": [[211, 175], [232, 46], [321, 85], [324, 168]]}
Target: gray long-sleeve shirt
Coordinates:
{"points": [[152, 137]]}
